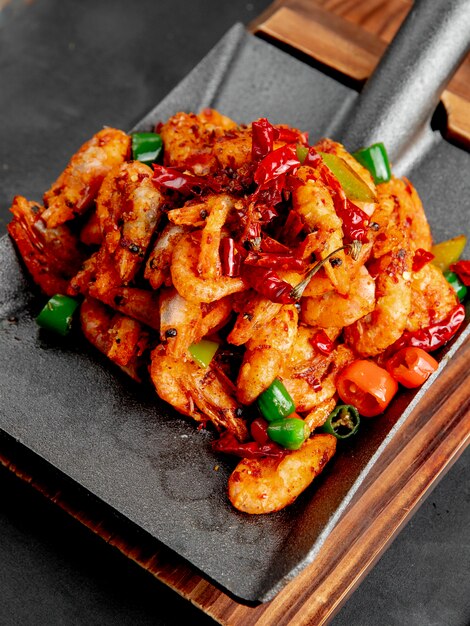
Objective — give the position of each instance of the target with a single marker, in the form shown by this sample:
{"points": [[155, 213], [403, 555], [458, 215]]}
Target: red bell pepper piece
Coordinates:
{"points": [[420, 258], [322, 342], [462, 269]]}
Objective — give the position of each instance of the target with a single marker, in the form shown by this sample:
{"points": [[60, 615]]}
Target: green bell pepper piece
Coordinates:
{"points": [[146, 147], [354, 187], [375, 159], [57, 314], [203, 351]]}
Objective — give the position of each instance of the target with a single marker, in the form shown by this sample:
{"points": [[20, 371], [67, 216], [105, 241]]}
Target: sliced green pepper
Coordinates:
{"points": [[275, 402], [57, 314], [146, 147], [375, 159], [302, 152], [289, 432], [354, 187], [448, 252], [342, 422], [203, 351], [457, 284]]}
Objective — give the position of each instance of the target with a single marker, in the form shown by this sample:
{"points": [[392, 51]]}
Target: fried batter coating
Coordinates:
{"points": [[76, 188]]}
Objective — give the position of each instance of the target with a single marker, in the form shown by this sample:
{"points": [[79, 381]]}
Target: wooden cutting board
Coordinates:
{"points": [[348, 36]]}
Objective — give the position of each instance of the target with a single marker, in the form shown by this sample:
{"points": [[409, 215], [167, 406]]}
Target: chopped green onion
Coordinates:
{"points": [[456, 283], [375, 159], [290, 432], [354, 187], [342, 422], [146, 147], [57, 314], [275, 402], [203, 351]]}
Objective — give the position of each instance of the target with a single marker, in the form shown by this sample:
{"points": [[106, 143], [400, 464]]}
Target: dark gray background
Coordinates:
{"points": [[67, 68]]}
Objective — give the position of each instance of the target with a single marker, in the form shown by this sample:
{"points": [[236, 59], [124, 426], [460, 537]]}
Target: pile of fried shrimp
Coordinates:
{"points": [[141, 248]]}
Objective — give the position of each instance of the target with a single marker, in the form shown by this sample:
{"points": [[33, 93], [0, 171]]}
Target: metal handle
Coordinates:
{"points": [[399, 99]]}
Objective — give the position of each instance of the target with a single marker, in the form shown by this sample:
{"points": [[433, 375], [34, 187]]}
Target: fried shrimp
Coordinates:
{"points": [[267, 485], [129, 208], [121, 339], [187, 279], [52, 255], [260, 281], [265, 353], [198, 393], [313, 202], [77, 186], [333, 309]]}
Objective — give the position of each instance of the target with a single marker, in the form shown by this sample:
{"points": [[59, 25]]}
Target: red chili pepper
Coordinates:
{"points": [[322, 342], [172, 178], [268, 284], [462, 269], [420, 258], [276, 163], [313, 159], [355, 220], [252, 450], [292, 229], [275, 261], [434, 336], [231, 256], [259, 431], [268, 244], [290, 135], [262, 141]]}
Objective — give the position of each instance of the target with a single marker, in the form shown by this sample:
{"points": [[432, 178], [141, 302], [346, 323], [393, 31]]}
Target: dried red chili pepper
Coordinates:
{"points": [[252, 450], [420, 258], [262, 139], [231, 256], [322, 342], [275, 164], [462, 269], [355, 220], [290, 135], [272, 260], [268, 244], [434, 336], [267, 283], [172, 178]]}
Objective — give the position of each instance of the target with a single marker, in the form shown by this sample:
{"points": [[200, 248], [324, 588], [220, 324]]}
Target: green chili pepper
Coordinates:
{"points": [[203, 351], [146, 147], [375, 159], [342, 422], [275, 402], [354, 187], [57, 314], [457, 284], [289, 432]]}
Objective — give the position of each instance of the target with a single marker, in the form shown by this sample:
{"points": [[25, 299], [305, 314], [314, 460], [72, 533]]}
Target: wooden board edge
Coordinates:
{"points": [[302, 602], [347, 47]]}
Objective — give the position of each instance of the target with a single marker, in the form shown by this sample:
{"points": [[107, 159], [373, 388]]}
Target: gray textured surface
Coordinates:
{"points": [[80, 102]]}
